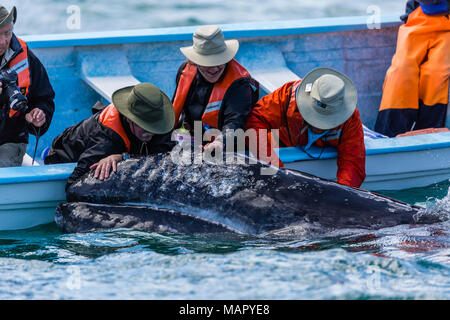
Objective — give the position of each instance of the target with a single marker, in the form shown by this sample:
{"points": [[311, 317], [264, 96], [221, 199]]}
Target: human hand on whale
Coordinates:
{"points": [[104, 166]]}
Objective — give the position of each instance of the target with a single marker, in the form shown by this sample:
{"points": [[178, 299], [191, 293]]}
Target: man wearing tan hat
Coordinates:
{"points": [[138, 122], [319, 110], [21, 71], [212, 87]]}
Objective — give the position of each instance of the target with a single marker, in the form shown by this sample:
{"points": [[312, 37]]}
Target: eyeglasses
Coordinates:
{"points": [[320, 104], [136, 129]]}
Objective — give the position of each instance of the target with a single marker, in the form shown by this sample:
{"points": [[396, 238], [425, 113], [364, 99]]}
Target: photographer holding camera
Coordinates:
{"points": [[26, 95]]}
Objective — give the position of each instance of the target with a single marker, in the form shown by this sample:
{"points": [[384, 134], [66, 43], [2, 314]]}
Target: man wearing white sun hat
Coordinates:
{"points": [[319, 110], [212, 87]]}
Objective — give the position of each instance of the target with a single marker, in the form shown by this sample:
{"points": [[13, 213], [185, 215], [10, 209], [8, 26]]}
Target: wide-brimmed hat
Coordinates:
{"points": [[7, 17], [210, 48], [147, 106], [326, 98]]}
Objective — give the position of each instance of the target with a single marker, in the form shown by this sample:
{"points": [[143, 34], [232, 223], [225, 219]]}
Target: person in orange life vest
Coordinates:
{"points": [[416, 87], [32, 82], [212, 87], [319, 110], [139, 122]]}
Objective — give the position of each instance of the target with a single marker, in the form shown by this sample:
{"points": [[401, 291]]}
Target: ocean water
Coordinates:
{"points": [[403, 262], [54, 16]]}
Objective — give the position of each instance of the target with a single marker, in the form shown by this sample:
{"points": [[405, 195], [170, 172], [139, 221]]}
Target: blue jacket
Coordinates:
{"points": [[412, 5]]}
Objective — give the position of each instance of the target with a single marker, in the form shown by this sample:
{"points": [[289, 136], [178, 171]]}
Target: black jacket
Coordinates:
{"points": [[236, 106], [90, 141], [40, 95], [412, 5]]}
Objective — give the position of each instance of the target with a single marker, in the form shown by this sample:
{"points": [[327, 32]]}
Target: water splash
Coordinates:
{"points": [[435, 207]]}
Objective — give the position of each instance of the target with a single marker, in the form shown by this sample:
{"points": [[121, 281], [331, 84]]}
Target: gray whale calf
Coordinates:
{"points": [[155, 193]]}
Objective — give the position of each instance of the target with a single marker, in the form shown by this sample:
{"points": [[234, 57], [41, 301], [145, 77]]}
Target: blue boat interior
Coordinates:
{"points": [[87, 67]]}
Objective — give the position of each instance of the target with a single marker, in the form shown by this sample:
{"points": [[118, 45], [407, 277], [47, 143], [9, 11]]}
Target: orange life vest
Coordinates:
{"points": [[21, 66], [210, 116], [110, 118]]}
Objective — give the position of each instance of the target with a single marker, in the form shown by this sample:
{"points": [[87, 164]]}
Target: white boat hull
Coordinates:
{"points": [[26, 205], [402, 170], [29, 195]]}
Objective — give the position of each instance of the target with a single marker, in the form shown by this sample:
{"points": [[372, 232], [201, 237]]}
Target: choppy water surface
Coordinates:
{"points": [[403, 262], [56, 16]]}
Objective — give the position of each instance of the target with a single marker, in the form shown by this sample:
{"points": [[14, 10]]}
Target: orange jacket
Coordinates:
{"points": [[210, 117], [278, 110], [110, 117], [20, 65], [415, 90]]}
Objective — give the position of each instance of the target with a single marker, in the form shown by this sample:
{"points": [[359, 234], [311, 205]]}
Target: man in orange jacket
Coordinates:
{"points": [[319, 110], [415, 91], [212, 88]]}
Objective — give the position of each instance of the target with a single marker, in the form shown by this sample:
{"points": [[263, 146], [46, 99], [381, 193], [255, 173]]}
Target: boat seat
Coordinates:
{"points": [[269, 68], [97, 72], [28, 161], [105, 86], [370, 134]]}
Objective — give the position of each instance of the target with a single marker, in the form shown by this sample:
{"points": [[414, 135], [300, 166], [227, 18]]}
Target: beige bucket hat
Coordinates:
{"points": [[7, 17], [326, 98], [147, 106], [210, 48]]}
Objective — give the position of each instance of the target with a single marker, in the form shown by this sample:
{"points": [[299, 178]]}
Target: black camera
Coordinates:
{"points": [[16, 100]]}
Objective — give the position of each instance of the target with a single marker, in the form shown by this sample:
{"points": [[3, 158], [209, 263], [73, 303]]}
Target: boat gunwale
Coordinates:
{"points": [[330, 152], [236, 30], [27, 174]]}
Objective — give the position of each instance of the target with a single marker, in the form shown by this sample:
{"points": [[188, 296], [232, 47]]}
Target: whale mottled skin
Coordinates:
{"points": [[85, 217], [225, 197]]}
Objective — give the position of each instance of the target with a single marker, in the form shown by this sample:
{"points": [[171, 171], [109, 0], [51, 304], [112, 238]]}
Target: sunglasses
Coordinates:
{"points": [[320, 104]]}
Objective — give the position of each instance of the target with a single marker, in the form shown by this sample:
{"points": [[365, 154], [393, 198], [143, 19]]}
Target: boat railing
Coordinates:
{"points": [[237, 30]]}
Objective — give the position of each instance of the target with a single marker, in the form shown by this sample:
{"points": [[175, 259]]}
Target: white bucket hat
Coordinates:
{"points": [[209, 47], [326, 98]]}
